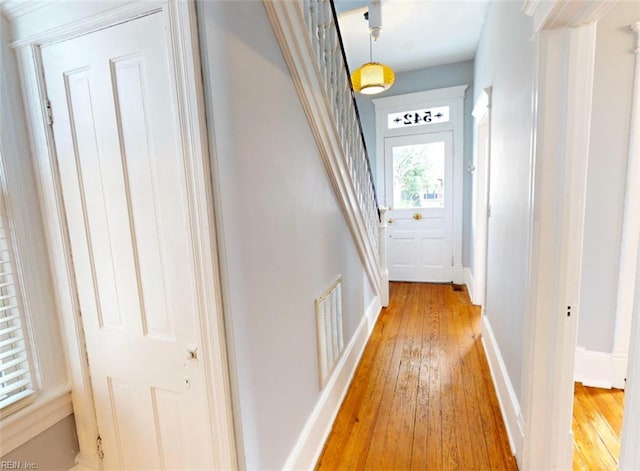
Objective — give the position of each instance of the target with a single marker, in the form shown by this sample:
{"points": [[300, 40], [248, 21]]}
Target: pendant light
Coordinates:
{"points": [[373, 77]]}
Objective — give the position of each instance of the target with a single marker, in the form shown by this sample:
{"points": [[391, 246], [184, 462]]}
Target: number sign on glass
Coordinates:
{"points": [[405, 119]]}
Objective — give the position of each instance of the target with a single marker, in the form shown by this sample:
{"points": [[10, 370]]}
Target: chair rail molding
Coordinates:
{"points": [[55, 21], [564, 36]]}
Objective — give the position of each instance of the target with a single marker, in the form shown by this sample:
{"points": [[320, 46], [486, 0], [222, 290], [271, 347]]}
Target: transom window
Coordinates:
{"points": [[422, 117]]}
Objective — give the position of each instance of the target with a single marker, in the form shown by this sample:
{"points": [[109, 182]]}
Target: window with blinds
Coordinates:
{"points": [[15, 376]]}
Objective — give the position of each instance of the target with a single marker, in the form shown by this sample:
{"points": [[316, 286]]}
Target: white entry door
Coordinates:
{"points": [[122, 173], [419, 191]]}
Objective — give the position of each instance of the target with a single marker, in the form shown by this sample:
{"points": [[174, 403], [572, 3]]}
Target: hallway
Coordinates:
{"points": [[422, 396]]}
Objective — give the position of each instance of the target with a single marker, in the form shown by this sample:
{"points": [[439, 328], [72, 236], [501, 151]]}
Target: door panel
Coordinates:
{"points": [[124, 185], [419, 191]]}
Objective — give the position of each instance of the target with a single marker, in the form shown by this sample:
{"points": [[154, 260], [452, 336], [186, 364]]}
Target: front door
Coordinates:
{"points": [[124, 184], [419, 191]]}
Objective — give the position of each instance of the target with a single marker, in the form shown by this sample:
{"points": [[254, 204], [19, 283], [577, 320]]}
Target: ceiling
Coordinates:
{"points": [[415, 33]]}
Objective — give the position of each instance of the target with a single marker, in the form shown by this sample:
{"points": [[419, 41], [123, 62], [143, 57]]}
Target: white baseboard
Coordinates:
{"points": [[509, 405], [308, 447], [458, 275], [468, 280], [600, 369]]}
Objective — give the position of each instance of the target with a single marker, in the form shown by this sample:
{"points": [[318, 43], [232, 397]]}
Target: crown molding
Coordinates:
{"points": [[556, 14], [13, 9]]}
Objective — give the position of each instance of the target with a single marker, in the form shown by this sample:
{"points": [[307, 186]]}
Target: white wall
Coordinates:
{"points": [[430, 78], [609, 145], [283, 235], [505, 61]]}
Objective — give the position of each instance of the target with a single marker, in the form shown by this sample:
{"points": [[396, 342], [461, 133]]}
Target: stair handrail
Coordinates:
{"points": [[355, 102], [312, 45]]}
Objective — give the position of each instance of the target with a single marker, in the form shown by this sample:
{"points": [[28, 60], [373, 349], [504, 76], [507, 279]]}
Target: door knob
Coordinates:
{"points": [[390, 220], [417, 216], [192, 353]]}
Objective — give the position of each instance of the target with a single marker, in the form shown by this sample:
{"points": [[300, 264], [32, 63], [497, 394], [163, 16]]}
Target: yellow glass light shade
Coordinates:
{"points": [[372, 78]]}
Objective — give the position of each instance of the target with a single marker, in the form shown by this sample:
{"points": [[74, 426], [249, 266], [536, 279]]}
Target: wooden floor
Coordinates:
{"points": [[422, 397], [597, 426]]}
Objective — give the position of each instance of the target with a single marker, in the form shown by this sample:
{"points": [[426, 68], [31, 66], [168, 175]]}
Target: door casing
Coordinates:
{"points": [[37, 27], [481, 193], [454, 98]]}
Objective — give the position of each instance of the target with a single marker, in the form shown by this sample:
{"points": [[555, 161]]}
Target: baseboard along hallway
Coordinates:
{"points": [[422, 396]]}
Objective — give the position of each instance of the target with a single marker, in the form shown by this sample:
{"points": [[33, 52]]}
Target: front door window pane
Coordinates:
{"points": [[418, 176]]}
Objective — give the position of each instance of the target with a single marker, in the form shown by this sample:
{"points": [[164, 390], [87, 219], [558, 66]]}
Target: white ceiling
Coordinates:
{"points": [[415, 33]]}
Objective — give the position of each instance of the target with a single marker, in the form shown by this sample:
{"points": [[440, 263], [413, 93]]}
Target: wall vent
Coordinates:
{"points": [[330, 329]]}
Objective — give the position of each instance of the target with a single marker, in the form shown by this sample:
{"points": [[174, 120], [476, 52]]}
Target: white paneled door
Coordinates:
{"points": [[124, 184], [419, 191]]}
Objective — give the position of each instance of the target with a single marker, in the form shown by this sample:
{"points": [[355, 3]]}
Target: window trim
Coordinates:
{"points": [[52, 400]]}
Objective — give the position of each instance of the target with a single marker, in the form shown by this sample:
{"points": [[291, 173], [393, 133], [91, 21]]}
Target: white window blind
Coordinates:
{"points": [[15, 376]]}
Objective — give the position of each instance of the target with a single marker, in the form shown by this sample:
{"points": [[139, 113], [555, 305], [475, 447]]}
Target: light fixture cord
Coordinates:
{"points": [[370, 49]]}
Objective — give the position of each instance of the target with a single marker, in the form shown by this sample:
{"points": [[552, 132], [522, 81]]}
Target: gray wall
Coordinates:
{"points": [[283, 235], [609, 147], [449, 75], [54, 449], [505, 61]]}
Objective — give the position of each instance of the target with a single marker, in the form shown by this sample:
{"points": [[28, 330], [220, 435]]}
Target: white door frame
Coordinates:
{"points": [[630, 229], [46, 22], [454, 97], [628, 320], [481, 197], [564, 34]]}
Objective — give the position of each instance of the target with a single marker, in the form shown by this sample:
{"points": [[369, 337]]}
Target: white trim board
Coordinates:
{"points": [[468, 280], [509, 405], [419, 98], [600, 369], [311, 440]]}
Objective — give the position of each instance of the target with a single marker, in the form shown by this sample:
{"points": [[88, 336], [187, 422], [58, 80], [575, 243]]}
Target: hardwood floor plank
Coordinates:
{"points": [[421, 397], [354, 424], [597, 424], [427, 413], [385, 449]]}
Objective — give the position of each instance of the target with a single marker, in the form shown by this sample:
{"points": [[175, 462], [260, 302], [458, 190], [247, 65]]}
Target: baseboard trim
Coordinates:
{"points": [[509, 406], [468, 280], [308, 447], [600, 369]]}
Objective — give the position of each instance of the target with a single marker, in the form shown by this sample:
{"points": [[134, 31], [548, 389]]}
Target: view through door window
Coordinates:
{"points": [[418, 176]]}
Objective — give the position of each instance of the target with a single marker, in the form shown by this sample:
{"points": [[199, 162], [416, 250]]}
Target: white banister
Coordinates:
{"points": [[310, 41], [382, 261]]}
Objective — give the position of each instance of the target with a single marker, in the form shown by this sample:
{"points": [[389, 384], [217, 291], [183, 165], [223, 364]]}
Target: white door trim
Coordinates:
{"points": [[627, 341], [480, 205], [630, 228], [36, 27], [563, 83], [454, 97]]}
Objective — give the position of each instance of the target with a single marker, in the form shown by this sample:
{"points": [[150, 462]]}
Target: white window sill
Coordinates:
{"points": [[23, 425]]}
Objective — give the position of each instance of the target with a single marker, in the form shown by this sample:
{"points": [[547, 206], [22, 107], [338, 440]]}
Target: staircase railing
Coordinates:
{"points": [[310, 39]]}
